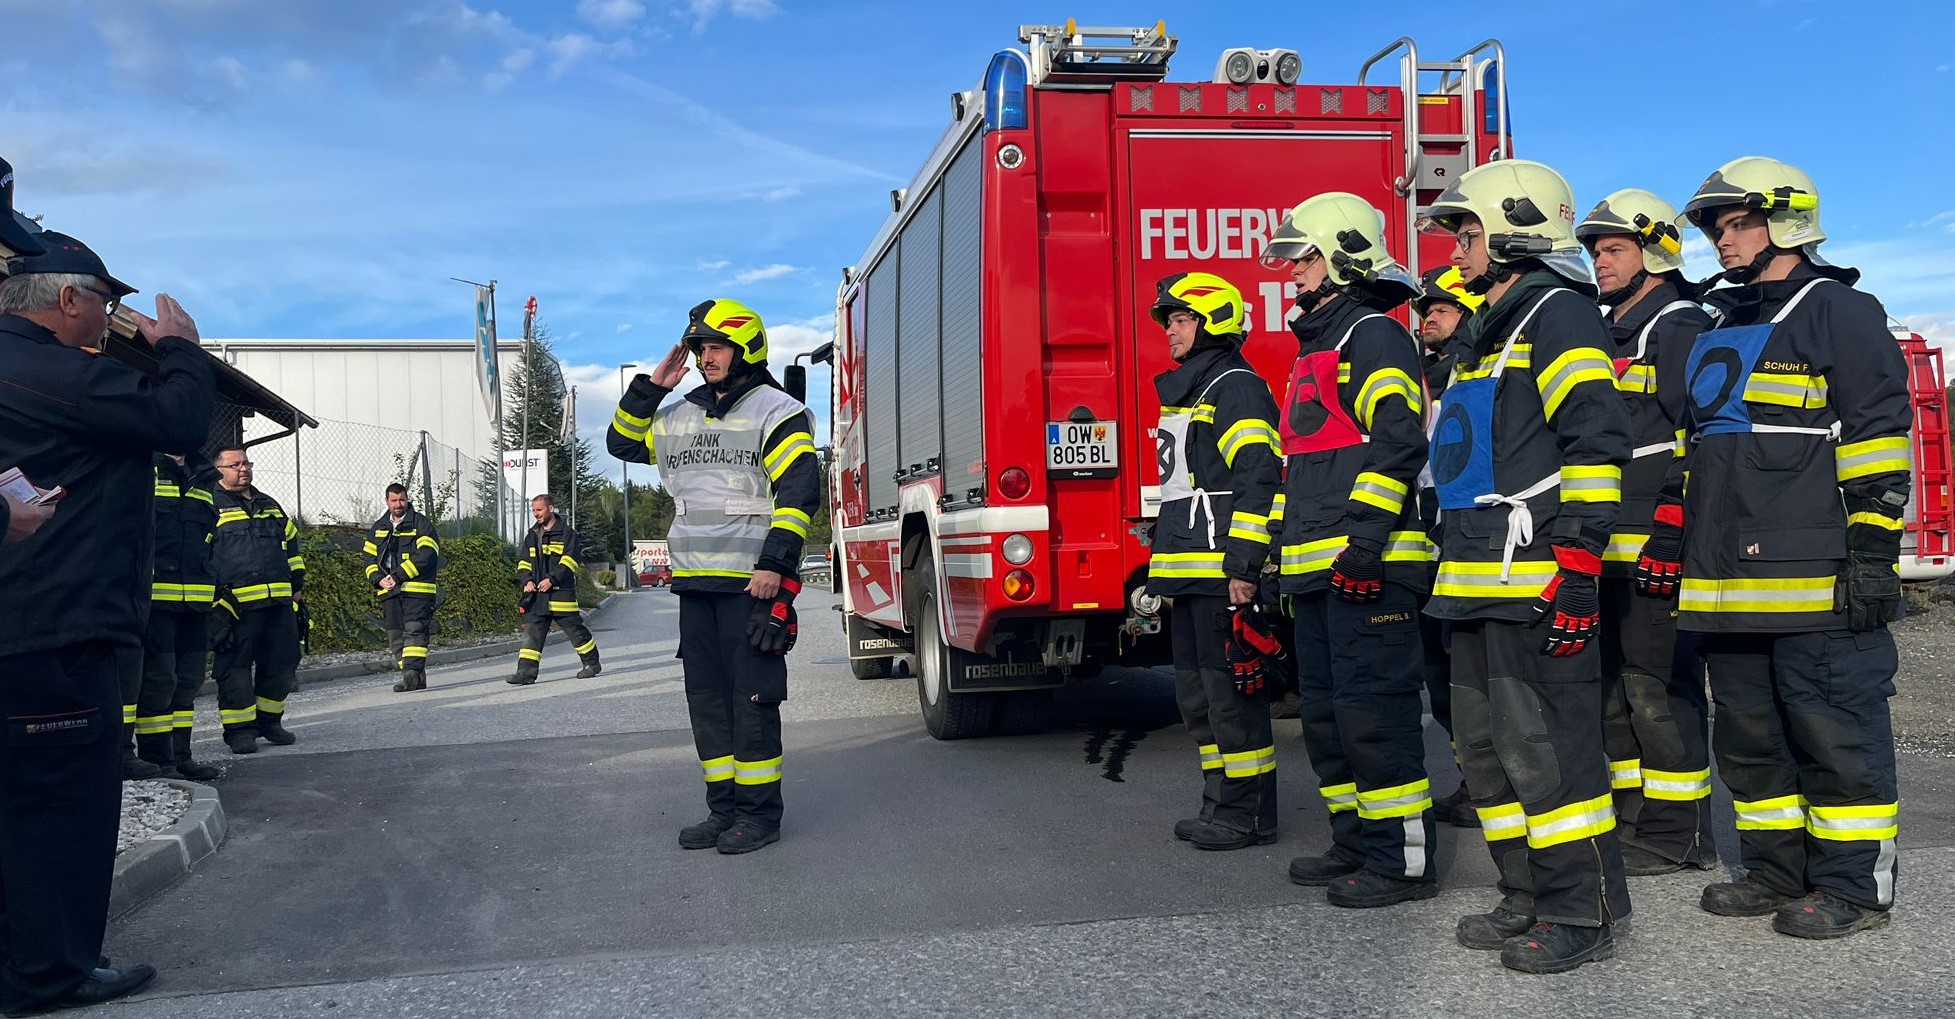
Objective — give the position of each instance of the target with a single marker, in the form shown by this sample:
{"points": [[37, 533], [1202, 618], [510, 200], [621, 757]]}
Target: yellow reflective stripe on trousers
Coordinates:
{"points": [[1676, 785], [128, 714], [1780, 813], [1626, 774], [411, 651], [563, 607], [1249, 763], [1503, 821], [1211, 756], [1868, 823], [233, 716], [1406, 800], [1462, 579], [183, 719], [719, 769], [586, 647], [1873, 456], [529, 654], [1340, 797], [1572, 823], [1749, 594], [270, 706], [150, 725], [756, 772], [1624, 548]]}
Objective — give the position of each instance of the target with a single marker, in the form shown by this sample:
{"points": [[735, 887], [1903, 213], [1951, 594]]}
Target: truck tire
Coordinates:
{"points": [[946, 715], [872, 668], [1024, 712]]}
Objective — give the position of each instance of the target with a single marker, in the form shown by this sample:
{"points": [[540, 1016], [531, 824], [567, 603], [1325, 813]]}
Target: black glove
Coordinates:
{"points": [[1252, 641], [223, 629], [1358, 575], [305, 627], [1660, 568], [1572, 603], [773, 627], [1870, 590], [526, 602]]}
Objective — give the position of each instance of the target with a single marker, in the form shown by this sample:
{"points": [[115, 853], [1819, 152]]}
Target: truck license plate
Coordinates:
{"points": [[1082, 449]]}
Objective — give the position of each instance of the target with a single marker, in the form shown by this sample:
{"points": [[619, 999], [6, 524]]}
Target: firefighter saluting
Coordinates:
{"points": [[1355, 557], [1527, 456], [548, 573], [1799, 476], [1220, 474], [402, 557], [1655, 718], [738, 455]]}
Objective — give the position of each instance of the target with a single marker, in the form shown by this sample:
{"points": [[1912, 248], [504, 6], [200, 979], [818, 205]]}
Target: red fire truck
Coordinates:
{"points": [[994, 472]]}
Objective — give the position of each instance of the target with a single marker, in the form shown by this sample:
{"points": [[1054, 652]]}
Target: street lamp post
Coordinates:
{"points": [[631, 568]]}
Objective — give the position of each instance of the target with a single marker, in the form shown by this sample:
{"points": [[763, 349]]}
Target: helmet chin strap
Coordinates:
{"points": [[1496, 274], [1309, 300], [1627, 290], [1748, 272]]}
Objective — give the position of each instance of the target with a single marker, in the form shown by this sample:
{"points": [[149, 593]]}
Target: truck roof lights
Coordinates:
{"points": [[1004, 91]]}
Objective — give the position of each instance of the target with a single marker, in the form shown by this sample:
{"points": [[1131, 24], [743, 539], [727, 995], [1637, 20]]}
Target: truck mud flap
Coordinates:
{"points": [[1020, 667], [867, 640]]}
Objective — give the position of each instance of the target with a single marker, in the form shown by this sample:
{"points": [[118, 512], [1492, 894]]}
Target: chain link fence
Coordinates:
{"points": [[338, 473]]}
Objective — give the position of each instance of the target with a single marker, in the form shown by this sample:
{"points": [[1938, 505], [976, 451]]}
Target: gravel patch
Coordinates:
{"points": [[147, 808], [1924, 698]]}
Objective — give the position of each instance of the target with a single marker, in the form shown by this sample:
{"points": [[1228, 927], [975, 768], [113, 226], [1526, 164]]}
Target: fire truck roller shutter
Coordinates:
{"points": [[963, 294], [879, 370], [919, 405]]}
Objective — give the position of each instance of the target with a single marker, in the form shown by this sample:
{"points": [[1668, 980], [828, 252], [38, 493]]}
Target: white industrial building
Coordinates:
{"points": [[374, 400]]}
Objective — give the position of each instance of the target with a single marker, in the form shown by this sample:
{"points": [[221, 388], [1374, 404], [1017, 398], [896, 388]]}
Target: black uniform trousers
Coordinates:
{"points": [[1232, 731], [406, 617], [1359, 671], [734, 695], [176, 646], [256, 666], [60, 806], [1655, 727], [536, 630], [1530, 744], [1806, 744]]}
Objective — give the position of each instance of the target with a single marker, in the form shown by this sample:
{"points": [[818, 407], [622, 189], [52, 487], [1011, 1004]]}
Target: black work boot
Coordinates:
{"points": [[241, 741], [154, 747], [135, 769], [1456, 809], [525, 673], [1221, 837], [745, 837], [1368, 889], [1557, 948], [704, 834], [1640, 862], [1743, 897], [185, 764], [1185, 828], [1488, 931], [271, 730], [1321, 869], [591, 667], [1823, 915]]}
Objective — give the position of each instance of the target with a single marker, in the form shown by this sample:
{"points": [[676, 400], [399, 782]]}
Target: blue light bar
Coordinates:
{"points": [[1004, 91]]}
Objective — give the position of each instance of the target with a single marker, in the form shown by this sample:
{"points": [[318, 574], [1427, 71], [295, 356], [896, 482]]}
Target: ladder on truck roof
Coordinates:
{"points": [[1068, 56], [1433, 160], [1934, 472]]}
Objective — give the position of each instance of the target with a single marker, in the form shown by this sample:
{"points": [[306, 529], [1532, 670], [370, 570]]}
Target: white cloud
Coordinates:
{"points": [[714, 266], [702, 12], [624, 327], [572, 48], [780, 194], [611, 15], [766, 272], [230, 71]]}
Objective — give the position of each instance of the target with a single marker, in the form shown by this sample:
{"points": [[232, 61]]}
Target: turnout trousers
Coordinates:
{"points": [[256, 667], [60, 806], [407, 617], [536, 630], [1232, 731], [1655, 727], [175, 647], [733, 695], [1530, 744], [1805, 742], [1359, 672]]}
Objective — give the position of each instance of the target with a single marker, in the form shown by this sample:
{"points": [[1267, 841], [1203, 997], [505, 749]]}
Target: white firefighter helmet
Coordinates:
{"points": [[1642, 216], [1527, 210], [1351, 235], [1781, 190]]}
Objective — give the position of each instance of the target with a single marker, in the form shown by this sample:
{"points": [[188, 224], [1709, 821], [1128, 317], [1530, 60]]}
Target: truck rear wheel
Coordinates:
{"points": [[946, 715]]}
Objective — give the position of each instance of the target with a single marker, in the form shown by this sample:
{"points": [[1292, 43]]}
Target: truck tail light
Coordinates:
{"points": [[1018, 585], [1014, 483], [1018, 550]]}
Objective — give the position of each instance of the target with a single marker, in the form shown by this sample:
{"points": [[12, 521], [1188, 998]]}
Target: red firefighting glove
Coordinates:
{"points": [[1571, 602], [773, 627], [1252, 641], [1358, 575], [1660, 568]]}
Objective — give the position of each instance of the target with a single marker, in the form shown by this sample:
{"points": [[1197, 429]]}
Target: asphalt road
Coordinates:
{"points": [[486, 850]]}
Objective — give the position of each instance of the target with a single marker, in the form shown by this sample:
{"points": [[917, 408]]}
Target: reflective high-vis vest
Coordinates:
{"points": [[716, 470]]}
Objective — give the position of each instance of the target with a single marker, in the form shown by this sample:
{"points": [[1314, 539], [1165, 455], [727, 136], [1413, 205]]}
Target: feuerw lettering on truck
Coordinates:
{"points": [[1213, 234]]}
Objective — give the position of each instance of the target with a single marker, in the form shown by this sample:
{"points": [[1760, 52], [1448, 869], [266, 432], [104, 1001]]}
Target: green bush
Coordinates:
{"points": [[607, 579], [478, 590]]}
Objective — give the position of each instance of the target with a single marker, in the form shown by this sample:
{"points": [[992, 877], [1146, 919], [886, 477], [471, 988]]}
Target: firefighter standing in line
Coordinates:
{"points": [[1220, 475], [738, 454], [176, 644], [1655, 720], [1527, 457], [548, 573], [402, 557], [1444, 307], [1355, 558], [260, 580], [1799, 479]]}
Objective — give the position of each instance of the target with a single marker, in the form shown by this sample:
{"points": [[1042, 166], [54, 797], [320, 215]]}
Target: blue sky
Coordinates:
{"points": [[320, 169]]}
